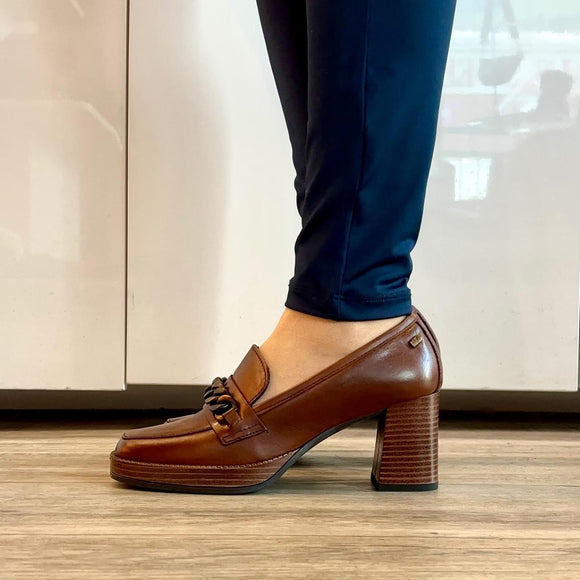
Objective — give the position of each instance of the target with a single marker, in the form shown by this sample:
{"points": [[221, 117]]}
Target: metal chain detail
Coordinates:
{"points": [[218, 398]]}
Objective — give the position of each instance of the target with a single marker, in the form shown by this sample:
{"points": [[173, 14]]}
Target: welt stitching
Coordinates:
{"points": [[241, 435], [207, 466]]}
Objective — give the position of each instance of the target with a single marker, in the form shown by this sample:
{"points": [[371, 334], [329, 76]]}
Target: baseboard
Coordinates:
{"points": [[159, 397]]}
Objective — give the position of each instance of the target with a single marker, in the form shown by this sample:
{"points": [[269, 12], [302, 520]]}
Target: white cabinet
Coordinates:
{"points": [[212, 217], [62, 201], [211, 207]]}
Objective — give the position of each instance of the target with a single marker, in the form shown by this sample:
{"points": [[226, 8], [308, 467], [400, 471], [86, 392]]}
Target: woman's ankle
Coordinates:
{"points": [[326, 335], [302, 345]]}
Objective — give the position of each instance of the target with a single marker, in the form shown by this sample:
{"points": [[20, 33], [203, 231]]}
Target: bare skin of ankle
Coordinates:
{"points": [[302, 345]]}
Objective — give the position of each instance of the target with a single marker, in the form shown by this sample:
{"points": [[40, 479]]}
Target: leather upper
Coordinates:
{"points": [[402, 364]]}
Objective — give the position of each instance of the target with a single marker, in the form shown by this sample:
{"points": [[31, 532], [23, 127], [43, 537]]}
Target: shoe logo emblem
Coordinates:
{"points": [[416, 340]]}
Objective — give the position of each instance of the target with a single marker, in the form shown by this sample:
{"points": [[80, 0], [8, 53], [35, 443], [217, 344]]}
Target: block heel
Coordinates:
{"points": [[406, 450]]}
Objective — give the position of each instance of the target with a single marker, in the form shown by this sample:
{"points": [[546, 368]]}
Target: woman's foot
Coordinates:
{"points": [[302, 345]]}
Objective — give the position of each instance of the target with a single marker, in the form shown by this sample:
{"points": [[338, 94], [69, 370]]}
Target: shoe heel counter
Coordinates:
{"points": [[427, 326], [434, 346]]}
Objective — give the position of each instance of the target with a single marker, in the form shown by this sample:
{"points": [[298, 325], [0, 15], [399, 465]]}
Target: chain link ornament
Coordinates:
{"points": [[218, 399]]}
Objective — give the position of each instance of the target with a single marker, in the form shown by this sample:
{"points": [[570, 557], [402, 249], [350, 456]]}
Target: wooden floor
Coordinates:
{"points": [[508, 506]]}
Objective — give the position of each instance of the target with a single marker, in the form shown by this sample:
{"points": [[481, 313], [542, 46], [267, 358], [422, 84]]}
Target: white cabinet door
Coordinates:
{"points": [[212, 213], [213, 218], [62, 201]]}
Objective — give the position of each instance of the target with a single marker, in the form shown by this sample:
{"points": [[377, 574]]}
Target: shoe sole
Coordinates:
{"points": [[127, 471]]}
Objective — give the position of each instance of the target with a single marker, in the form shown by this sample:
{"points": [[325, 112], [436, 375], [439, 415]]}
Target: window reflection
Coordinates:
{"points": [[503, 206], [512, 75]]}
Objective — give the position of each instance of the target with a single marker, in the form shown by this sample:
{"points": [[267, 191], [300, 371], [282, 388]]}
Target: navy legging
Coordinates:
{"points": [[360, 86]]}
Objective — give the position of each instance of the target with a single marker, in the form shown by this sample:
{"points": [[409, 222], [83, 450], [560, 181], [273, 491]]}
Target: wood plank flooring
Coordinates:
{"points": [[508, 506]]}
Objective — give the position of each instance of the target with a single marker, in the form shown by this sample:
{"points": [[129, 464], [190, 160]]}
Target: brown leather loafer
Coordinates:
{"points": [[235, 444]]}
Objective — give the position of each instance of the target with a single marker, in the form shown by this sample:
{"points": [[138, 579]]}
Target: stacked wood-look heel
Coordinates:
{"points": [[406, 451]]}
